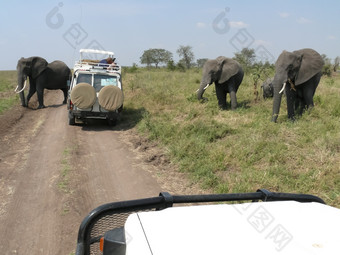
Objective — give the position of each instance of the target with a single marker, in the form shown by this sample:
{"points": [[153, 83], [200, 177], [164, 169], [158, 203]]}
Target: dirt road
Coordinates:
{"points": [[53, 174]]}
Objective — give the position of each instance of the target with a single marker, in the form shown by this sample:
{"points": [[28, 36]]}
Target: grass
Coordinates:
{"points": [[63, 183], [8, 81], [240, 151]]}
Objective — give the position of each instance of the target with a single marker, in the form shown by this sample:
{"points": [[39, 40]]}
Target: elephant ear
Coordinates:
{"points": [[311, 64], [230, 67], [38, 66]]}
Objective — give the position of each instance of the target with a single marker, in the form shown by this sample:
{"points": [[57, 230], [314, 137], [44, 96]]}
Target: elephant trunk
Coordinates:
{"points": [[200, 91], [22, 81], [278, 83]]}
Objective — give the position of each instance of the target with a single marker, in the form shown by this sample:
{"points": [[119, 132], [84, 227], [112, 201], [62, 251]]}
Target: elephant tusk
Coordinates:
{"points": [[21, 89], [283, 88], [206, 86]]}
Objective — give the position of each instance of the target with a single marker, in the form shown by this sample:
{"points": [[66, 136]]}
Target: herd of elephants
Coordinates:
{"points": [[297, 73]]}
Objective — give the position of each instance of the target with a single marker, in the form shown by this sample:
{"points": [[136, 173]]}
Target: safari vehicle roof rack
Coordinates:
{"points": [[113, 215], [93, 64]]}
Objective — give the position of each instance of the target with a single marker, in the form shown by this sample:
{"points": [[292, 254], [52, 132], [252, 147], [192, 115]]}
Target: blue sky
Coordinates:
{"points": [[56, 30]]}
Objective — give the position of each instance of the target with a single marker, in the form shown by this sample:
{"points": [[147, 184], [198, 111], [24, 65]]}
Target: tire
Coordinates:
{"points": [[83, 95], [110, 98], [71, 119], [112, 122]]}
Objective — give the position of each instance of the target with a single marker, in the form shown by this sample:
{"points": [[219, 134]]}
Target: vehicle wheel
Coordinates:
{"points": [[71, 120]]}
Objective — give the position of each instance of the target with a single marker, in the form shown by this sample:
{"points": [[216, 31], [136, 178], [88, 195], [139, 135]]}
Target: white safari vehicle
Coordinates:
{"points": [[96, 89], [282, 223]]}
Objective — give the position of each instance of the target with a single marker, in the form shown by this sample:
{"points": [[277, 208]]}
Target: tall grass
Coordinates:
{"points": [[241, 150], [8, 98]]}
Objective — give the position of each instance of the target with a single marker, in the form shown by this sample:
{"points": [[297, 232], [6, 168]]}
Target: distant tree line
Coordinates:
{"points": [[330, 67], [246, 57], [157, 57]]}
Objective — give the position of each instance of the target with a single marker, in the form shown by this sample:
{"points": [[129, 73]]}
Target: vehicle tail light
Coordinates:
{"points": [[101, 244]]}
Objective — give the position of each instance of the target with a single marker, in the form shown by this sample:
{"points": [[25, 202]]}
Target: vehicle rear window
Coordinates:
{"points": [[87, 78], [101, 81]]}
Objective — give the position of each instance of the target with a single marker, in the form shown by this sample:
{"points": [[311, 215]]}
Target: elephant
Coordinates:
{"points": [[227, 74], [267, 88], [42, 75], [301, 71]]}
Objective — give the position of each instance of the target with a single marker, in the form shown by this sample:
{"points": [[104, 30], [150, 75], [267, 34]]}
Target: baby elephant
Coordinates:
{"points": [[227, 74], [267, 88]]}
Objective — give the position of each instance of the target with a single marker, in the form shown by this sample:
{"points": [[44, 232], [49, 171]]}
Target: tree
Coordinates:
{"points": [[246, 57], [155, 56], [327, 68], [171, 65], [336, 64], [326, 59], [201, 62], [185, 52]]}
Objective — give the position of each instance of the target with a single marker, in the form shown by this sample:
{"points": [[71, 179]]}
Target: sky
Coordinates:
{"points": [[57, 30]]}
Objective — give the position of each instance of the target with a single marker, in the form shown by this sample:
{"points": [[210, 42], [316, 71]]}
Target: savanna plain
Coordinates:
{"points": [[230, 151]]}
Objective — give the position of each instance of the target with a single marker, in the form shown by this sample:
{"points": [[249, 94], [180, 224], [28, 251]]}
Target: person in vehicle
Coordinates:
{"points": [[108, 62]]}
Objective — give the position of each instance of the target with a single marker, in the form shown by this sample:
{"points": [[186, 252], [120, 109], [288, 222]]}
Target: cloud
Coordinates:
{"points": [[303, 20], [201, 25], [331, 37], [284, 14], [237, 24]]}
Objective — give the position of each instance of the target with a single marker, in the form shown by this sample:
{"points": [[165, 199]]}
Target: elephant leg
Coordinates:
{"points": [[31, 92], [65, 95], [40, 93], [22, 99], [221, 95], [309, 90], [233, 100], [233, 86], [308, 94], [291, 97], [299, 102]]}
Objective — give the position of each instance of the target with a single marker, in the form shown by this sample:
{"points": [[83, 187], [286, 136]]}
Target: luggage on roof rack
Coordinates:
{"points": [[87, 63]]}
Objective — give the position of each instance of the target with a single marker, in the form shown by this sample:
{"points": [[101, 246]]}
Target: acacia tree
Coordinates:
{"points": [[246, 57], [336, 64], [156, 57], [200, 62], [185, 52]]}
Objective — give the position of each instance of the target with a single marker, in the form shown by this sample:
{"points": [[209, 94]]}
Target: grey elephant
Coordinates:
{"points": [[227, 74], [267, 88], [42, 75], [297, 73]]}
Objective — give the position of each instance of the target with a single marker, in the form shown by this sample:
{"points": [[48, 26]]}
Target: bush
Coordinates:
{"points": [[171, 65], [327, 70]]}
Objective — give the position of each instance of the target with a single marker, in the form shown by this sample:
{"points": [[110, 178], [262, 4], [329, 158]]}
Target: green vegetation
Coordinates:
{"points": [[8, 98], [239, 151], [63, 183]]}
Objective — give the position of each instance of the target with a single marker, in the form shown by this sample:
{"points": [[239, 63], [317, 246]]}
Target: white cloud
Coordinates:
{"points": [[303, 20], [331, 37], [284, 14], [201, 25], [237, 24]]}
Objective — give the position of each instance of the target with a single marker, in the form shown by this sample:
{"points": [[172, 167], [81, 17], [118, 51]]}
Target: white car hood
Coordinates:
{"points": [[251, 228]]}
